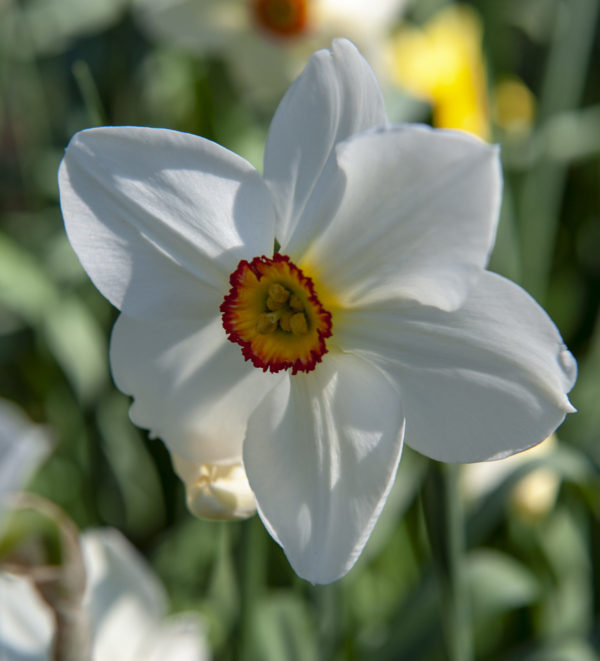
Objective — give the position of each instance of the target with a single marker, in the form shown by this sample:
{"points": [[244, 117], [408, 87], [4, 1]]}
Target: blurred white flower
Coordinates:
{"points": [[298, 322], [127, 606], [123, 609], [23, 447], [267, 42], [533, 495]]}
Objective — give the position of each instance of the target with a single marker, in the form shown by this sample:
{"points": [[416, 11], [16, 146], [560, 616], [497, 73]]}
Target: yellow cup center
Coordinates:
{"points": [[273, 312]]}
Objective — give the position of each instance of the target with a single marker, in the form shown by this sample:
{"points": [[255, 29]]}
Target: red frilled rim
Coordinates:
{"points": [[282, 18], [247, 300]]}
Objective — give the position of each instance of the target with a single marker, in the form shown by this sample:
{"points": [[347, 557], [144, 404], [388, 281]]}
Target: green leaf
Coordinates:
{"points": [[73, 335], [127, 453], [78, 344], [24, 287], [283, 630], [568, 650], [498, 583], [568, 606]]}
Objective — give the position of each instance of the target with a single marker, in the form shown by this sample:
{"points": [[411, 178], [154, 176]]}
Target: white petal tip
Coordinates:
{"points": [[568, 364]]}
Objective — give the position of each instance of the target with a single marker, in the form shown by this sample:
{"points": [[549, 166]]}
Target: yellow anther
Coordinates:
{"points": [[274, 305], [298, 323], [277, 293], [266, 323], [284, 321], [296, 304]]}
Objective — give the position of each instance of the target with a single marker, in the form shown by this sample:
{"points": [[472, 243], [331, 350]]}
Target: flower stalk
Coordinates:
{"points": [[252, 582], [444, 522]]}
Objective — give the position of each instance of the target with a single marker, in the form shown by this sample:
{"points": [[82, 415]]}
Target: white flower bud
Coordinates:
{"points": [[217, 492]]}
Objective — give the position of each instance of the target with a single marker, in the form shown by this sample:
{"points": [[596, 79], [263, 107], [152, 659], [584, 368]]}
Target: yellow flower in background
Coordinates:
{"points": [[442, 63]]}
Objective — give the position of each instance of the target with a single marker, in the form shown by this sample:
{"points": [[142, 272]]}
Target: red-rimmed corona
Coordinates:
{"points": [[282, 18], [273, 312]]}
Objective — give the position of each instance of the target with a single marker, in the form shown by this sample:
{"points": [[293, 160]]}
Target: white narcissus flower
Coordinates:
{"points": [[300, 321], [266, 42], [123, 608]]}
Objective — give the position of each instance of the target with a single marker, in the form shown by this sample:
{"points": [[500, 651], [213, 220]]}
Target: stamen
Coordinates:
{"points": [[278, 296], [274, 305], [298, 324], [266, 323], [278, 293], [284, 321]]}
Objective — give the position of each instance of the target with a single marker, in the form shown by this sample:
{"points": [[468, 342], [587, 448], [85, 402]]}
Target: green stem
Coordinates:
{"points": [[328, 608], [252, 582], [444, 523]]}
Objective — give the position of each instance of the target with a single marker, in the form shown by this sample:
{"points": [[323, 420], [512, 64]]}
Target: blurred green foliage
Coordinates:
{"points": [[533, 585]]}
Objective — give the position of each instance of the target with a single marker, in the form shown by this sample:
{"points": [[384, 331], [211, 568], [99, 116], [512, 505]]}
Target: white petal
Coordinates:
{"points": [[417, 220], [482, 382], [153, 213], [321, 455], [336, 96], [191, 385]]}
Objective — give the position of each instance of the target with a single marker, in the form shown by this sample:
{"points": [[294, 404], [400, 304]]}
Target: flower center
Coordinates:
{"points": [[284, 18], [273, 313]]}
